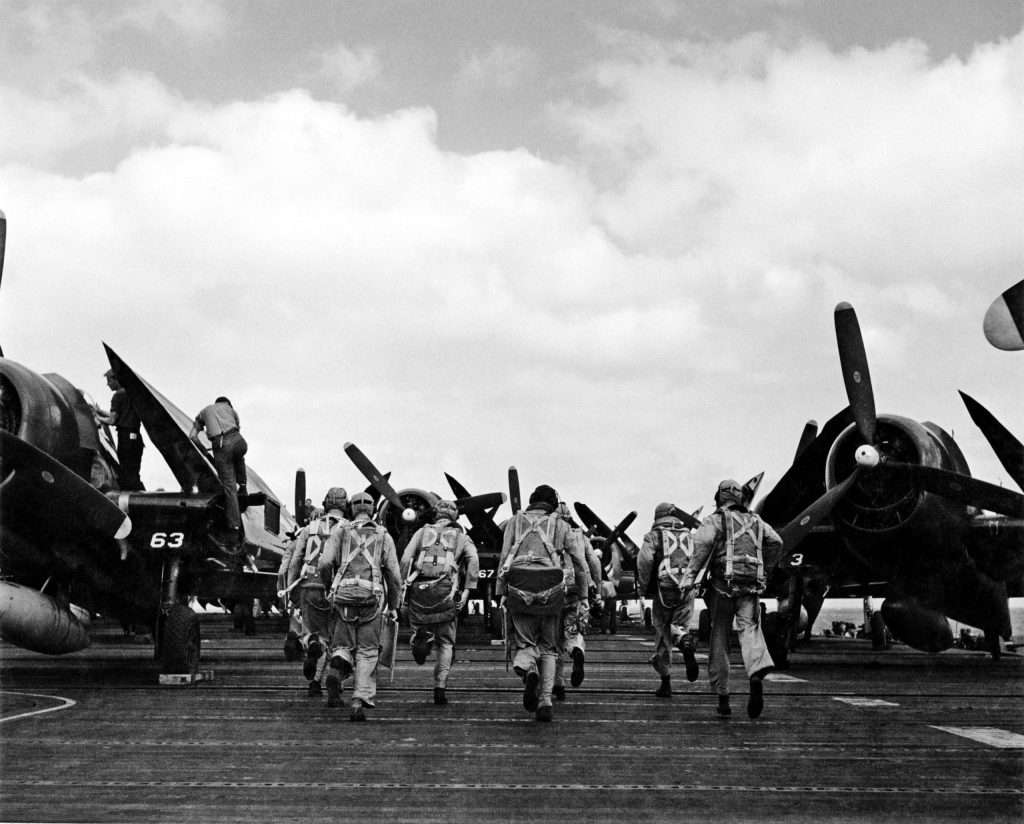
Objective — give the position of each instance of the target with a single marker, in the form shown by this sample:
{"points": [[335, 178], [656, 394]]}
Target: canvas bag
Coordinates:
{"points": [[434, 580], [358, 581], [534, 572], [744, 561], [674, 550]]}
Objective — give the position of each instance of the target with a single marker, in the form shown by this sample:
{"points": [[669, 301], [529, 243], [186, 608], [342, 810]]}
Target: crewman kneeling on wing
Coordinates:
{"points": [[576, 614], [741, 548], [660, 567], [301, 579], [437, 558], [535, 572], [360, 566]]}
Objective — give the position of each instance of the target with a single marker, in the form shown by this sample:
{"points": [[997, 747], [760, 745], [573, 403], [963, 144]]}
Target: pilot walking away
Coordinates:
{"points": [[535, 572], [738, 547], [125, 420], [361, 566], [660, 567], [436, 559], [303, 586], [221, 423], [576, 614]]}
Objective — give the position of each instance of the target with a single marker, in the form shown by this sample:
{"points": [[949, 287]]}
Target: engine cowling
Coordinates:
{"points": [[884, 500]]}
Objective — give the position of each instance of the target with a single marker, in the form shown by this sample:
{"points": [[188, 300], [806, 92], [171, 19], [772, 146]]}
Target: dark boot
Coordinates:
{"points": [[333, 691], [314, 689], [531, 689], [558, 691], [292, 647], [665, 690], [545, 713], [314, 649], [577, 667], [690, 659], [723, 706], [358, 714], [420, 646], [755, 703], [439, 697]]}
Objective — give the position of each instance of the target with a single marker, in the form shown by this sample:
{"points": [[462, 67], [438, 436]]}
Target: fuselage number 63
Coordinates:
{"points": [[167, 540]]}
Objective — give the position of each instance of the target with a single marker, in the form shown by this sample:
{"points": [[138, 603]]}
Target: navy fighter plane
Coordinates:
{"points": [[883, 505], [73, 545], [404, 511]]}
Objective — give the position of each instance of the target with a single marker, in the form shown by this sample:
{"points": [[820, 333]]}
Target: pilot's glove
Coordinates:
{"points": [[463, 599], [392, 615]]}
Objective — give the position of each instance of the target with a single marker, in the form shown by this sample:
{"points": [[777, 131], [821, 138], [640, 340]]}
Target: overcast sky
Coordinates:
{"points": [[601, 241]]}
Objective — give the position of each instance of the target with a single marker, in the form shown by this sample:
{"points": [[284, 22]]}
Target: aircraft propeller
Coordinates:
{"points": [[854, 362], [514, 496], [1008, 449], [301, 516], [379, 482]]}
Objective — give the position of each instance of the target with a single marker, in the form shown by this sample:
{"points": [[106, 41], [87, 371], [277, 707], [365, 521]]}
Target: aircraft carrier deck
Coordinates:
{"points": [[848, 734]]}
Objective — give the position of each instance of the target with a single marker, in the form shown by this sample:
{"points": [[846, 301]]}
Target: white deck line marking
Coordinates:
{"points": [[65, 704], [784, 678], [988, 735], [857, 701]]}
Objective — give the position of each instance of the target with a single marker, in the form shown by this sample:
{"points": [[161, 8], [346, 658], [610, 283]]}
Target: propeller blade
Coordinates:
{"points": [[373, 475], [513, 489], [798, 529], [620, 530], [1004, 320], [804, 481], [478, 503], [688, 520], [37, 483], [3, 242], [963, 488], [1008, 449], [590, 520], [854, 361], [458, 489], [750, 488], [300, 496], [806, 438]]}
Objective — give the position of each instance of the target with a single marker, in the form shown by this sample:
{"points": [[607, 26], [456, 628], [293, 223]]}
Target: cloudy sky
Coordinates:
{"points": [[601, 241]]}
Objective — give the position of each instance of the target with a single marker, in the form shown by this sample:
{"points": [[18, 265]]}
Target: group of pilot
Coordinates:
{"points": [[345, 584]]}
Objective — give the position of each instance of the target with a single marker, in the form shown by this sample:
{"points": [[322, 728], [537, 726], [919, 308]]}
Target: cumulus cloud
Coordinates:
{"points": [[623, 323], [501, 66], [346, 68]]}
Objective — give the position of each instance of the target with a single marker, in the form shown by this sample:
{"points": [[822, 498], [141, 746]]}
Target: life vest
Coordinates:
{"points": [[316, 536], [671, 557], [744, 559], [359, 580], [433, 578], [535, 574]]}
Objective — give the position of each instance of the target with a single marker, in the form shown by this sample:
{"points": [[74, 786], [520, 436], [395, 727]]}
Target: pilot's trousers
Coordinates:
{"points": [[444, 643], [535, 639], [355, 638], [229, 461], [747, 612], [670, 624]]}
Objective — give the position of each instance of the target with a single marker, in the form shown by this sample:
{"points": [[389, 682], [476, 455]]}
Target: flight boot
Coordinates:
{"points": [[545, 713], [314, 689], [755, 703], [439, 696], [357, 714], [531, 689], [558, 692], [333, 691], [292, 647], [577, 667], [421, 642], [690, 660], [314, 649], [665, 690], [724, 709]]}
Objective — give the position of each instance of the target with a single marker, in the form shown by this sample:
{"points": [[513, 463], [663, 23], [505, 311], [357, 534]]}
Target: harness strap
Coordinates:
{"points": [[751, 527]]}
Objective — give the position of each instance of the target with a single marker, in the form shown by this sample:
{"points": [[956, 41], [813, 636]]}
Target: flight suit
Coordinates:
{"points": [[465, 566], [576, 618], [728, 598], [356, 630]]}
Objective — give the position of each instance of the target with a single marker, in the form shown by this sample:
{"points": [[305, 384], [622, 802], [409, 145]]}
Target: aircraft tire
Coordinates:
{"points": [[181, 641]]}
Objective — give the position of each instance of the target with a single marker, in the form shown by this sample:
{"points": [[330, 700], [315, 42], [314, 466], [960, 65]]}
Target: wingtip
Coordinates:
{"points": [[843, 306]]}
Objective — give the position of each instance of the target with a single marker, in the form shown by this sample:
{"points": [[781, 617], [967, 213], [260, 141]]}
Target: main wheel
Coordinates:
{"points": [[181, 641]]}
